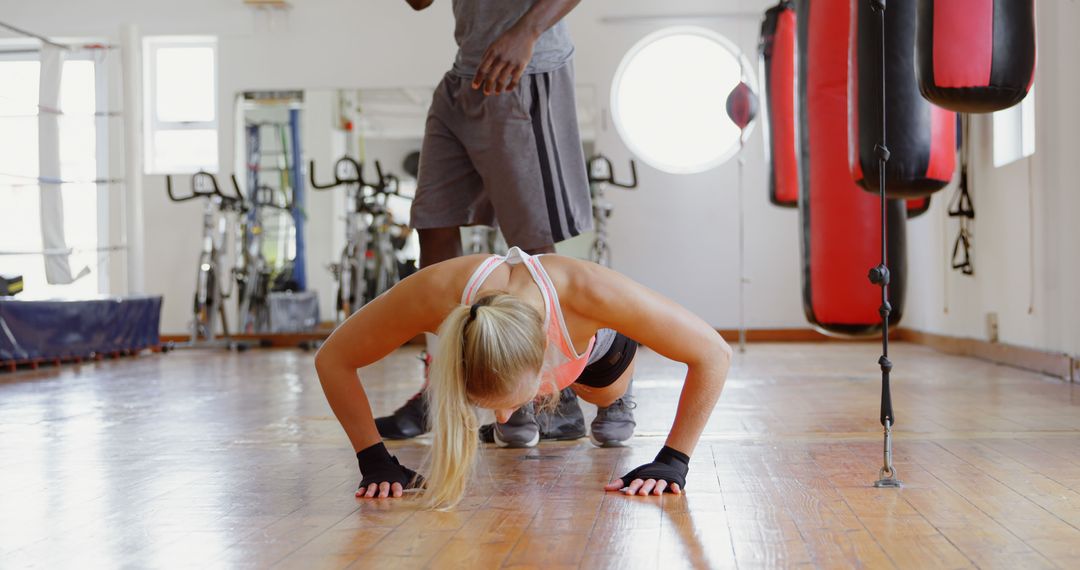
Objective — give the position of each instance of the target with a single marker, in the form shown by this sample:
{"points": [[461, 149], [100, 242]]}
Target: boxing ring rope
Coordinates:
{"points": [[108, 70]]}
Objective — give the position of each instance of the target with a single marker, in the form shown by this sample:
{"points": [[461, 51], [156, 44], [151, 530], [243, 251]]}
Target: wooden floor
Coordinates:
{"points": [[210, 459]]}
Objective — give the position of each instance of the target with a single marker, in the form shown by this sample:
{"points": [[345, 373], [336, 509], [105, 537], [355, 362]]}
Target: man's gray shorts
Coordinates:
{"points": [[515, 157]]}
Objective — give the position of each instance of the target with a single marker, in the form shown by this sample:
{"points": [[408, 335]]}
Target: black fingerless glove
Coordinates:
{"points": [[670, 465], [377, 466]]}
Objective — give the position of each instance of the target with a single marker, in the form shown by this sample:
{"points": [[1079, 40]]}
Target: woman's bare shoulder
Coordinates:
{"points": [[446, 278], [577, 281]]}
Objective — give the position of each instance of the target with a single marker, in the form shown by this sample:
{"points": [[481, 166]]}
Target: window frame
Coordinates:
{"points": [[747, 73], [152, 125], [1023, 135]]}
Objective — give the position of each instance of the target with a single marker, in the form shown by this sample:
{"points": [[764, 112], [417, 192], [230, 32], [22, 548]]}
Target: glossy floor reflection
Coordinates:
{"points": [[212, 459]]}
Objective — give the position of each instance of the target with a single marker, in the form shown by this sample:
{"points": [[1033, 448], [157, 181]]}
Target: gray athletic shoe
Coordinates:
{"points": [[614, 425], [566, 421], [521, 430]]}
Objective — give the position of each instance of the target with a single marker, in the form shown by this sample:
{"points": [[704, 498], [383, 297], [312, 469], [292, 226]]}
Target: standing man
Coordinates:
{"points": [[502, 143]]}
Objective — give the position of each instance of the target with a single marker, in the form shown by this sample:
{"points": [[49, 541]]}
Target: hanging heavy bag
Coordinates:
{"points": [[917, 207], [776, 55], [841, 223], [975, 56], [921, 136]]}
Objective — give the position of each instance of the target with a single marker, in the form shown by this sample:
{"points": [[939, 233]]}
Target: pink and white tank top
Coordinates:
{"points": [[561, 361]]}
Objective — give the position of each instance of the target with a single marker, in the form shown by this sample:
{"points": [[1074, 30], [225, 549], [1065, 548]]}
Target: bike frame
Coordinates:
{"points": [[601, 175]]}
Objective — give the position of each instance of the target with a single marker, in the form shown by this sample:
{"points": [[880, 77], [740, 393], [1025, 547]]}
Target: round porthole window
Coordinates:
{"points": [[668, 99]]}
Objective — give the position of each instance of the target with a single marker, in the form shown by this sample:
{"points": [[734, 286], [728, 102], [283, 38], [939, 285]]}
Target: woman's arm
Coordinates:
{"points": [[614, 301], [409, 308]]}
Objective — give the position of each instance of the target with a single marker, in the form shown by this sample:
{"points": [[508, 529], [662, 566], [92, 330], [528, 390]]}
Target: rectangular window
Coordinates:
{"points": [[83, 122], [180, 75], [1014, 132]]}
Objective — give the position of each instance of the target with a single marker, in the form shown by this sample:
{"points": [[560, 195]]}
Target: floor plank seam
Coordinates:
{"points": [[1015, 491], [981, 510]]}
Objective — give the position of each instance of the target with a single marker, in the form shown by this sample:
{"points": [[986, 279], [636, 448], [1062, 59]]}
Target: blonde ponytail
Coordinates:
{"points": [[484, 350]]}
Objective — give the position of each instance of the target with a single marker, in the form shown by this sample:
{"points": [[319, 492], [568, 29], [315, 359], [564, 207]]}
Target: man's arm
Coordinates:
{"points": [[419, 4], [505, 60], [544, 14]]}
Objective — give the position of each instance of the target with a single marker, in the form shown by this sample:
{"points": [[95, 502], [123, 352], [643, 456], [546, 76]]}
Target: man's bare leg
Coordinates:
{"points": [[410, 420]]}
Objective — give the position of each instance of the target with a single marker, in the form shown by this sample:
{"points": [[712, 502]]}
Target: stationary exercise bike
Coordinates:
{"points": [[368, 264], [208, 302], [251, 271], [601, 175]]}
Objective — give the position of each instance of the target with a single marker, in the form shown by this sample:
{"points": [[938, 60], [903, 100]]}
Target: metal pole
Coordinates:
{"points": [[133, 158], [879, 275]]}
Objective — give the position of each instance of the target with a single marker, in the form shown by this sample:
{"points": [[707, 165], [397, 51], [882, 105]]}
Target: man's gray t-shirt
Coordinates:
{"points": [[481, 22]]}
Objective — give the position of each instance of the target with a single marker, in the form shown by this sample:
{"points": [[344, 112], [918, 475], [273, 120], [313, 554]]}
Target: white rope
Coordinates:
{"points": [[37, 180], [742, 254], [65, 251]]}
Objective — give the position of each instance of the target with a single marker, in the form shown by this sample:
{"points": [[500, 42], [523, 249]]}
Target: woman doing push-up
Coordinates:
{"points": [[513, 329]]}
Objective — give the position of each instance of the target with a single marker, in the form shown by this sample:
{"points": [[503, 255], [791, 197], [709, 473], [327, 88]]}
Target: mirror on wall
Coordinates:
{"points": [[386, 126], [269, 173], [356, 153]]}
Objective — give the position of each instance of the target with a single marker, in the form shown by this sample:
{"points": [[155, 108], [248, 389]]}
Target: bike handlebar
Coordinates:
{"points": [[258, 198], [351, 166], [609, 177], [215, 190], [380, 186], [239, 195], [338, 180]]}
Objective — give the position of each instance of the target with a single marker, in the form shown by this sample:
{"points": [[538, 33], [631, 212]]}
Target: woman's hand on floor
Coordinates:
{"points": [[666, 472], [382, 475], [643, 487], [380, 491]]}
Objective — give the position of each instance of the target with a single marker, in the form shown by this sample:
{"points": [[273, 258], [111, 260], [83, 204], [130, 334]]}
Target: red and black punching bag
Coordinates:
{"points": [[975, 56], [917, 206], [921, 136], [841, 223], [776, 52]]}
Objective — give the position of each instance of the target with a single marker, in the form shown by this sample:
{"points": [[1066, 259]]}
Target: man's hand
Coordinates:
{"points": [[505, 61]]}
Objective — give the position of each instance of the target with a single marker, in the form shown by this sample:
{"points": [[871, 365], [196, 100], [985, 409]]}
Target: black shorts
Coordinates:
{"points": [[610, 367]]}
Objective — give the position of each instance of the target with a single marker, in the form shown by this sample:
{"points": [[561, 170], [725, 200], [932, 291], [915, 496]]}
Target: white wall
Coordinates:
{"points": [[676, 234]]}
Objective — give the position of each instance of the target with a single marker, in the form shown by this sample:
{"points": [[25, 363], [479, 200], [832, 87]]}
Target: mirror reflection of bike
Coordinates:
{"points": [[252, 271], [371, 261], [601, 175]]}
